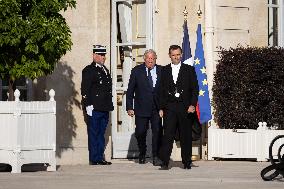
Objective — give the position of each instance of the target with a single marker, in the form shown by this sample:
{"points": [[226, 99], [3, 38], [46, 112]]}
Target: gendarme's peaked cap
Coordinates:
{"points": [[99, 49]]}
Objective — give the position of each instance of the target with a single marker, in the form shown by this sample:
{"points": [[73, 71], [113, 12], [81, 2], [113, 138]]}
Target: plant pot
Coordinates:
{"points": [[28, 132]]}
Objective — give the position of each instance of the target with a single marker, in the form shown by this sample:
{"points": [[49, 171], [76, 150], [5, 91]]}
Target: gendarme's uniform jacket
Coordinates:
{"points": [[96, 87]]}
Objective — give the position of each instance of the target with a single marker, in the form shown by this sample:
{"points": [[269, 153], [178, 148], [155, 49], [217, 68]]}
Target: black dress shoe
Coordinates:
{"points": [[142, 159], [157, 161], [164, 166], [103, 162], [187, 166]]}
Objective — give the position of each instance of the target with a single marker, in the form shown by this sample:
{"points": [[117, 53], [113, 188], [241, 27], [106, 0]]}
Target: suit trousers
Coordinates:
{"points": [[176, 117], [142, 125], [96, 130]]}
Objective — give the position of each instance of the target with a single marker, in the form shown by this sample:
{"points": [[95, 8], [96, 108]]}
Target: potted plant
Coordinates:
{"points": [[248, 102], [33, 37]]}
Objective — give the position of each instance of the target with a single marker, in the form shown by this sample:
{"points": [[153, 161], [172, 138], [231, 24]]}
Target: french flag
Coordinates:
{"points": [[186, 54], [203, 108]]}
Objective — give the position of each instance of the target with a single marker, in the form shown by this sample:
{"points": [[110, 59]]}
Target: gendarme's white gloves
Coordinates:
{"points": [[89, 110]]}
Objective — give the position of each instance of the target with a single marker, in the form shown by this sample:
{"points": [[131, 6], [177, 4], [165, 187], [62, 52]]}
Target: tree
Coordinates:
{"points": [[33, 37]]}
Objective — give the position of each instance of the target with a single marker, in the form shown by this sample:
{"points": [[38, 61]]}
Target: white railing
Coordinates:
{"points": [[242, 143], [28, 132]]}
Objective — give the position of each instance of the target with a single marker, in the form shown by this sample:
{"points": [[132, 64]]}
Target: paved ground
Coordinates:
{"points": [[128, 174]]}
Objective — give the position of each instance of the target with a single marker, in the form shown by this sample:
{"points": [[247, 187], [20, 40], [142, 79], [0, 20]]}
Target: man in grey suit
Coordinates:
{"points": [[143, 91], [178, 99]]}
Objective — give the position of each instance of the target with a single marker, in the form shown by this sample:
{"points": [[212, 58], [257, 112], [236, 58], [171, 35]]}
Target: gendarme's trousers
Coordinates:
{"points": [[96, 131], [177, 118]]}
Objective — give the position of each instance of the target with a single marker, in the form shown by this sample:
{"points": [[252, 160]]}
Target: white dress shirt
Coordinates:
{"points": [[175, 71], [101, 66]]}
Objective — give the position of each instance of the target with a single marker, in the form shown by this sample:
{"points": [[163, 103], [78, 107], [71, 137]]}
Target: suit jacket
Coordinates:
{"points": [[140, 91], [96, 87], [186, 86]]}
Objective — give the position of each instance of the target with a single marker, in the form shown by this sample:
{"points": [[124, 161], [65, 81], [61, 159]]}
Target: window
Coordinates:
{"points": [[275, 23]]}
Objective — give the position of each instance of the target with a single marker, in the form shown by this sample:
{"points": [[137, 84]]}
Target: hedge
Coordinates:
{"points": [[249, 88]]}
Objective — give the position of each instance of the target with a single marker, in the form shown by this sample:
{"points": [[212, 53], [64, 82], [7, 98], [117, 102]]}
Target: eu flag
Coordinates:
{"points": [[200, 69]]}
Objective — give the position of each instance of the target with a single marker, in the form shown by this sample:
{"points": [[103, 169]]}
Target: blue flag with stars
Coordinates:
{"points": [[200, 69]]}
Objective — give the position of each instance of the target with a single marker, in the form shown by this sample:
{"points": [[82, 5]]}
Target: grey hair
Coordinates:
{"points": [[149, 51]]}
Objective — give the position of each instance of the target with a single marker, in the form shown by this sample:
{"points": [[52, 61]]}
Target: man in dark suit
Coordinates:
{"points": [[143, 89], [178, 99], [96, 90]]}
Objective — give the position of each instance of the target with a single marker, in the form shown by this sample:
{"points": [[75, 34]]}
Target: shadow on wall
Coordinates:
{"points": [[61, 81]]}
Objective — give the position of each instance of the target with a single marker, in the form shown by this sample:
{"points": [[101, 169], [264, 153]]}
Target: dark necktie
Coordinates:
{"points": [[150, 77]]}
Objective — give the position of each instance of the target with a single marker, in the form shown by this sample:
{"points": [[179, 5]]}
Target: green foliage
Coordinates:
{"points": [[249, 87], [33, 36]]}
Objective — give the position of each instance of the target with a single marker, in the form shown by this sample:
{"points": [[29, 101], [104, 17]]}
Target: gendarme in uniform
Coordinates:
{"points": [[96, 90]]}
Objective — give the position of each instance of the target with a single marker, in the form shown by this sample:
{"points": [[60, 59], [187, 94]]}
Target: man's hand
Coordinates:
{"points": [[130, 113], [191, 109], [161, 113]]}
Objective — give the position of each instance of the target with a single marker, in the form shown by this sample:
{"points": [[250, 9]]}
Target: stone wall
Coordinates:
{"points": [[90, 24]]}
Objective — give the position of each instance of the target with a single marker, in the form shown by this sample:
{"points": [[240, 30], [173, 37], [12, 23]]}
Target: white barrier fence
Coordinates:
{"points": [[243, 143], [28, 132]]}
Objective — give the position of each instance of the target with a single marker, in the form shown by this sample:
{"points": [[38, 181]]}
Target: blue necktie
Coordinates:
{"points": [[150, 77]]}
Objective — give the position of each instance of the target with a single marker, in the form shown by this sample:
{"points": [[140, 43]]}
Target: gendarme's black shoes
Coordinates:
{"points": [[103, 162]]}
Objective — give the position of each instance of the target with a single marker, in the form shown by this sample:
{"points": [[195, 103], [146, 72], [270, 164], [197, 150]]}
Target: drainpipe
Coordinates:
{"points": [[209, 45]]}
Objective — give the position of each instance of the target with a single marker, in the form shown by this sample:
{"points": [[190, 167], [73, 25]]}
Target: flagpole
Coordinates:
{"points": [[185, 13], [199, 13], [204, 107], [209, 50]]}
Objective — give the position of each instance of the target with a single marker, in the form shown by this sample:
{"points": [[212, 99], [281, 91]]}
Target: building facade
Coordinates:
{"points": [[127, 28]]}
